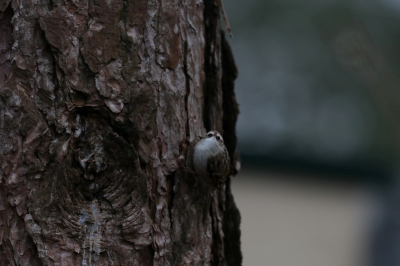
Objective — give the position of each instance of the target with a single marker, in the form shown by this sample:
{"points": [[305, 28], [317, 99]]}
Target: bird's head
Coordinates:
{"points": [[215, 134]]}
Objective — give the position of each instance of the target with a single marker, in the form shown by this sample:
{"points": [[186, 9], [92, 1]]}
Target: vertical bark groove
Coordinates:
{"points": [[212, 68], [232, 217]]}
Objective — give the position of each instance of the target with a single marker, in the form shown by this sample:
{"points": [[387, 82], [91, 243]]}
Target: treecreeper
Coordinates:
{"points": [[211, 159]]}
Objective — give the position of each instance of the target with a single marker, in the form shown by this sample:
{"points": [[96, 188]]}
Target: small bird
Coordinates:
{"points": [[211, 158]]}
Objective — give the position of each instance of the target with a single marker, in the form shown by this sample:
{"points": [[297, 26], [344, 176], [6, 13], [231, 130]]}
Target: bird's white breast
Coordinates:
{"points": [[202, 151]]}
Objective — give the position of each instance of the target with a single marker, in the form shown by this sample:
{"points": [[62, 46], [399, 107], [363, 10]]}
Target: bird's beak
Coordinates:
{"points": [[203, 137]]}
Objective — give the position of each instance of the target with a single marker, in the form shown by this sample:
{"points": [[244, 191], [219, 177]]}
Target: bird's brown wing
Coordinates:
{"points": [[218, 167]]}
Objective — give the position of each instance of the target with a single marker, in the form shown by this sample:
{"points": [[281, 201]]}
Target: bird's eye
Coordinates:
{"points": [[209, 135], [218, 138]]}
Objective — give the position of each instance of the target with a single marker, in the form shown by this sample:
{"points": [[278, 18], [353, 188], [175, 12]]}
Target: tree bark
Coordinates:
{"points": [[99, 103]]}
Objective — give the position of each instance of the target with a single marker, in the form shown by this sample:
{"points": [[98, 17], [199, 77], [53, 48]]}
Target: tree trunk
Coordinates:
{"points": [[99, 102]]}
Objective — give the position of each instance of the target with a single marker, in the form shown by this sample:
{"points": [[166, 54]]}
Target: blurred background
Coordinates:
{"points": [[319, 98]]}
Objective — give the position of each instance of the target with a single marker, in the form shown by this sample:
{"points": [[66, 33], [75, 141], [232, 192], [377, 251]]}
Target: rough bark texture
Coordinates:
{"points": [[99, 102]]}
